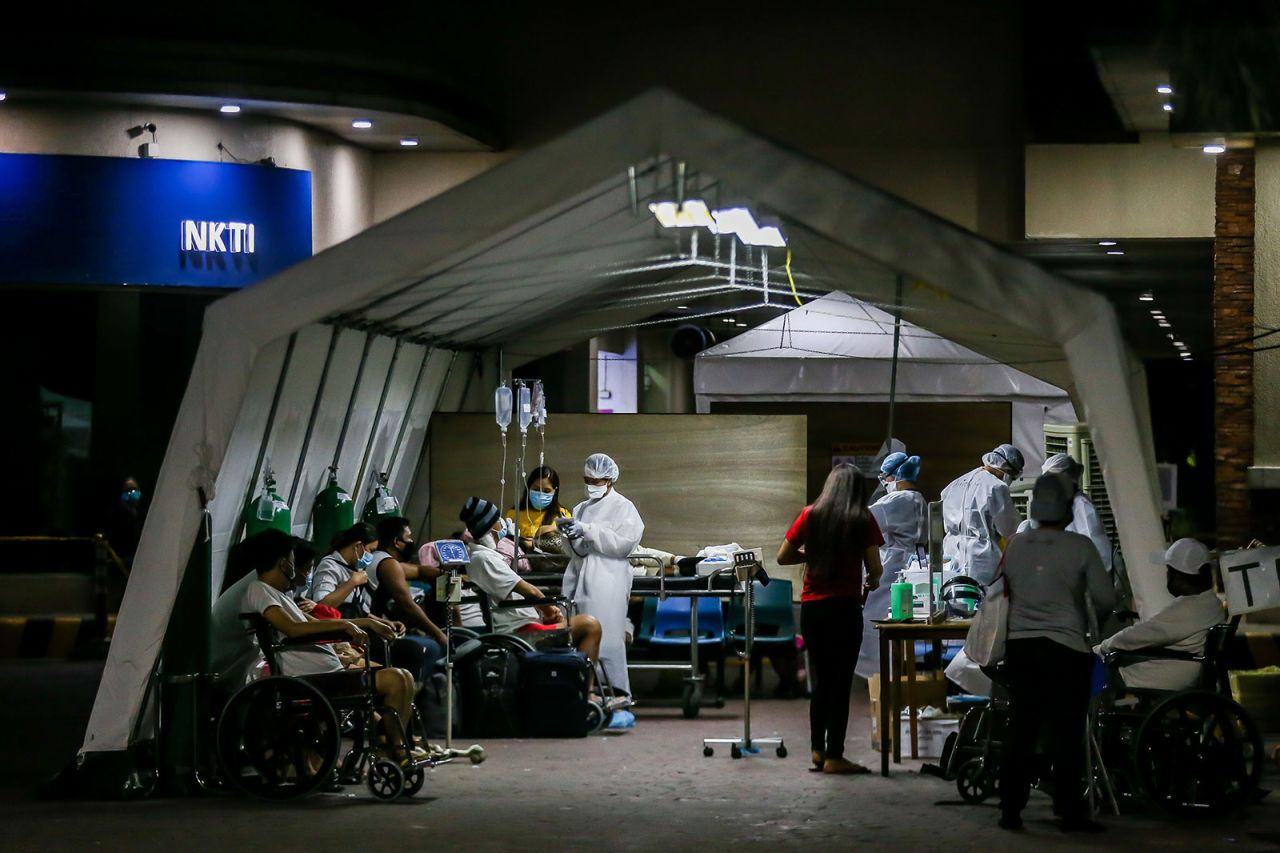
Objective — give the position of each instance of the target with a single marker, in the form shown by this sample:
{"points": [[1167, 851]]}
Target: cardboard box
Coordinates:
{"points": [[931, 734], [927, 690], [1258, 692]]}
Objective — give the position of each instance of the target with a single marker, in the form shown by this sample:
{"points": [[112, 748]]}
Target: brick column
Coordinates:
{"points": [[1232, 325]]}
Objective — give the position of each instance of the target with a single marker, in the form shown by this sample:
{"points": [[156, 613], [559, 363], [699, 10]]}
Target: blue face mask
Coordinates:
{"points": [[541, 500], [365, 560]]}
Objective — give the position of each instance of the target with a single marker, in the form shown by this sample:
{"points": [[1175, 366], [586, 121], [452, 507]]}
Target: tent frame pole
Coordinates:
{"points": [[893, 368], [377, 415], [311, 419], [266, 437]]}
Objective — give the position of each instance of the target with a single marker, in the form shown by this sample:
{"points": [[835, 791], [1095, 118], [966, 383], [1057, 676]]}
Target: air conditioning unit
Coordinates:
{"points": [[1074, 440], [1020, 491]]}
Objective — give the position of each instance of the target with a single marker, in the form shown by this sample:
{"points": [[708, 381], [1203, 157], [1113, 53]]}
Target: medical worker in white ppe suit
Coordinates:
{"points": [[900, 515], [1084, 518], [605, 529], [978, 511]]}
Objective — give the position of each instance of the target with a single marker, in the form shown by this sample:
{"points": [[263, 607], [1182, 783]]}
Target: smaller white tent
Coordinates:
{"points": [[840, 349]]}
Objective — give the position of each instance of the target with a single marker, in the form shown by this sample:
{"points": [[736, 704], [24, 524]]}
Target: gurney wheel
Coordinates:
{"points": [[386, 779], [782, 752], [692, 702], [735, 751], [707, 752]]}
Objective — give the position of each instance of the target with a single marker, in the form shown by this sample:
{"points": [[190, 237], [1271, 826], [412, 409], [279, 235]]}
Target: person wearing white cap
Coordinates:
{"points": [[978, 511], [603, 532], [1052, 577], [1182, 626], [1084, 518]]}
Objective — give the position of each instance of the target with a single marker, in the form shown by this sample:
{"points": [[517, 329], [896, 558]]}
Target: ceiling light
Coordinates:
{"points": [[1165, 324], [409, 142], [742, 325], [1165, 89], [1168, 108], [1179, 345], [1115, 252], [229, 109], [729, 320], [682, 307], [1186, 356], [1147, 296], [1214, 148], [739, 221], [361, 124], [1106, 242], [3, 96], [693, 213]]}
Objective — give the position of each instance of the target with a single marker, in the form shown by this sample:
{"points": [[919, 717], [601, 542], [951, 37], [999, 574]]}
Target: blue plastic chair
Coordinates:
{"points": [[775, 629], [671, 622], [648, 616]]}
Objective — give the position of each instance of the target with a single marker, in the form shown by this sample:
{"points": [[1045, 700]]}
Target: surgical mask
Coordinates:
{"points": [[541, 500], [500, 533], [596, 492], [364, 561]]}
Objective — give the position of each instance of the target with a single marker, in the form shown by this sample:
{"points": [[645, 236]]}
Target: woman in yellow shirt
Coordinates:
{"points": [[539, 506]]}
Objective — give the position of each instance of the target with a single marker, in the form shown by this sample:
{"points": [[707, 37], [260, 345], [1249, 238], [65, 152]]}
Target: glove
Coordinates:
{"points": [[571, 529]]}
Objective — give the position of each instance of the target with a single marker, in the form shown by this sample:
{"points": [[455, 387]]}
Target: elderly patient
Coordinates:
{"points": [[1182, 626], [491, 572]]}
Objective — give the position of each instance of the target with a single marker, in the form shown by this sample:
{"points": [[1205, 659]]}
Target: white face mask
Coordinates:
{"points": [[596, 492]]}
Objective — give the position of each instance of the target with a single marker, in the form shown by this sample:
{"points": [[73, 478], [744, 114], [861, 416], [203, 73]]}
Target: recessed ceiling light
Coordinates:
{"points": [[1179, 345], [1214, 148], [1115, 252], [409, 142], [742, 325], [1147, 296], [1165, 89], [1106, 242], [3, 96], [229, 109], [361, 124], [1165, 324], [682, 307], [1167, 108], [729, 320]]}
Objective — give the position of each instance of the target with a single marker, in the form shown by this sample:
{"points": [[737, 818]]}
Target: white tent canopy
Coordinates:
{"points": [[346, 356], [840, 349]]}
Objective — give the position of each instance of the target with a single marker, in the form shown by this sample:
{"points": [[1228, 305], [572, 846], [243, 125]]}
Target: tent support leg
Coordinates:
{"points": [[377, 414], [266, 437], [311, 420]]}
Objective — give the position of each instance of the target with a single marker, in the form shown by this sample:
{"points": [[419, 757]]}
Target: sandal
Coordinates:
{"points": [[843, 767]]}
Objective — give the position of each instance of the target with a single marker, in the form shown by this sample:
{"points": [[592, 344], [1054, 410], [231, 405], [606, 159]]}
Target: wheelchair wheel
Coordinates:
{"points": [[1198, 753], [597, 717], [973, 782], [506, 641], [278, 738], [386, 779], [414, 780]]}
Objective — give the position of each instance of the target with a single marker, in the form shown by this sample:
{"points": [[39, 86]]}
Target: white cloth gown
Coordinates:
{"points": [[899, 515], [977, 511], [598, 579]]}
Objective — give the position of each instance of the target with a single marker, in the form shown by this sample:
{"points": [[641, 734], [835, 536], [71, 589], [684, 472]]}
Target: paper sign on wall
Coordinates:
{"points": [[1252, 579]]}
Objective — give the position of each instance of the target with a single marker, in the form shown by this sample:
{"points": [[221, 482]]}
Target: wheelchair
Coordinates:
{"points": [[1192, 752], [599, 713], [283, 737]]}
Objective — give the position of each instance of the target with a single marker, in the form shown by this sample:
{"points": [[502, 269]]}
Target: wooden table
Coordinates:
{"points": [[898, 661]]}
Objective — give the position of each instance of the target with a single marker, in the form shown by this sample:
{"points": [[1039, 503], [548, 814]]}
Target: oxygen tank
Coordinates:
{"points": [[334, 512], [268, 510], [382, 504]]}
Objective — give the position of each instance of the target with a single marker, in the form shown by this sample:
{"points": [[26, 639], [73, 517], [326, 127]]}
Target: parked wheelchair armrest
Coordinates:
{"points": [[1124, 658]]}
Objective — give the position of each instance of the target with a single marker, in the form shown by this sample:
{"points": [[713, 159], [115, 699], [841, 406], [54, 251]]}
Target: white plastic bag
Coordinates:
{"points": [[986, 639], [967, 675]]}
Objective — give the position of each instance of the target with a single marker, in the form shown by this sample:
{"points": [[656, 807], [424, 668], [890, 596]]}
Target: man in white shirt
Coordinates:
{"points": [[490, 571], [1182, 626]]}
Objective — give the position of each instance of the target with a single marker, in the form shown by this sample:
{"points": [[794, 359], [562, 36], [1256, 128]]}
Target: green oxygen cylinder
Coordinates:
{"points": [[382, 504], [334, 512], [268, 510]]}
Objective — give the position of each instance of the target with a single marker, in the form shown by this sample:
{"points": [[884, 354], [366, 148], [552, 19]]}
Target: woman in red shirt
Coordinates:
{"points": [[839, 542]]}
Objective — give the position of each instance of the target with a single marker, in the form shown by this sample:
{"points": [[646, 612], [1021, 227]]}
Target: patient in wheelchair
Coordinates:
{"points": [[1182, 626], [270, 555], [492, 573]]}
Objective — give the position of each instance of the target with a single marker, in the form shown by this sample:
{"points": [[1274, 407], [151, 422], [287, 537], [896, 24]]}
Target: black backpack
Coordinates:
{"points": [[553, 693], [490, 691]]}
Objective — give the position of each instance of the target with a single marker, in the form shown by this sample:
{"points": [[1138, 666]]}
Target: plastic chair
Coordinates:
{"points": [[648, 617], [671, 622], [775, 628]]}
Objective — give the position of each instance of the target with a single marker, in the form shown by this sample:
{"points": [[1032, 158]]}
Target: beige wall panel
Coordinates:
{"points": [[696, 479], [1147, 190], [1266, 306]]}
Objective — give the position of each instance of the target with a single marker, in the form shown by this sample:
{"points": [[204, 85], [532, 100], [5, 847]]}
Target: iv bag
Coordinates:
{"points": [[502, 407], [526, 408], [539, 406]]}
